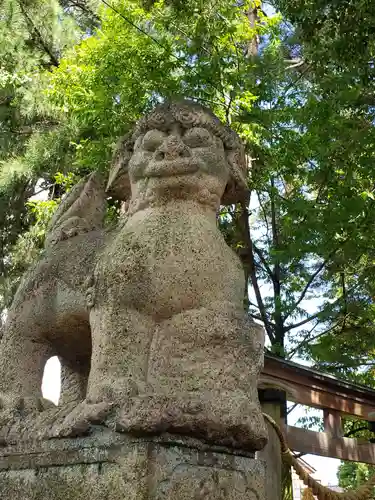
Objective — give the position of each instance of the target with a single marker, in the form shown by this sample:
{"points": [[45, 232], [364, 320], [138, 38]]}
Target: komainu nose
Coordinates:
{"points": [[172, 149]]}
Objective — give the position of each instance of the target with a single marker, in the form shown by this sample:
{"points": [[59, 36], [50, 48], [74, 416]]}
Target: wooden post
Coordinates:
{"points": [[332, 423], [272, 401]]}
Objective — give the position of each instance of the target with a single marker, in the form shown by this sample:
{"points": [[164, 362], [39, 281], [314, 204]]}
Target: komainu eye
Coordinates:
{"points": [[153, 139], [197, 137]]}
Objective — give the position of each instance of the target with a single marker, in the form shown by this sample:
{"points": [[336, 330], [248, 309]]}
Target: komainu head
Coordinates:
{"points": [[180, 150]]}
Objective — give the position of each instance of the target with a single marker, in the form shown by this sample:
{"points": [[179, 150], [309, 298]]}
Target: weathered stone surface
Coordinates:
{"points": [[49, 315], [152, 312], [186, 474], [114, 467]]}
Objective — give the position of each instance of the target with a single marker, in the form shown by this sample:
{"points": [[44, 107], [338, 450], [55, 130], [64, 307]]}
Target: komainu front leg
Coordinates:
{"points": [[121, 342], [74, 416], [202, 380]]}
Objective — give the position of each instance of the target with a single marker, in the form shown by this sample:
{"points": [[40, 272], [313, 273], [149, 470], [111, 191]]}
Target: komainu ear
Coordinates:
{"points": [[86, 202], [236, 190], [118, 185]]}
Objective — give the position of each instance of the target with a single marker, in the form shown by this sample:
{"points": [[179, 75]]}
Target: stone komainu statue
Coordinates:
{"points": [[146, 319]]}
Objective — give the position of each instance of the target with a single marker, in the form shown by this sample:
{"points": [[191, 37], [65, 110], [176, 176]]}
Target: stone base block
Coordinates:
{"points": [[109, 466]]}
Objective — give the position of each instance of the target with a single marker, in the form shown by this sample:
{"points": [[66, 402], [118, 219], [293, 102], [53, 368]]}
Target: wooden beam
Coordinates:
{"points": [[315, 389], [323, 444], [318, 397]]}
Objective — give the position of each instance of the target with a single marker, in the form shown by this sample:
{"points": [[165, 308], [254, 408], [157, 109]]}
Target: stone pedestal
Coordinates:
{"points": [[109, 466]]}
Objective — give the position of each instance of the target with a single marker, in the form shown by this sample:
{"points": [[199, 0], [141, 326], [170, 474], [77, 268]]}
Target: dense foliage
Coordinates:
{"points": [[352, 475]]}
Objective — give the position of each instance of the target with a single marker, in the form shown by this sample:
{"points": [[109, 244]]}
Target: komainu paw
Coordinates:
{"points": [[79, 421]]}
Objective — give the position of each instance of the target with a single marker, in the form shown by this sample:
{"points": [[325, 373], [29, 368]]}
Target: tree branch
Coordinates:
{"points": [[264, 215], [244, 219], [305, 340], [309, 283], [42, 189], [291, 408], [294, 63], [253, 45], [256, 316], [252, 304], [353, 431], [355, 364], [264, 262], [276, 281], [6, 100], [81, 6], [39, 38], [302, 322], [311, 339]]}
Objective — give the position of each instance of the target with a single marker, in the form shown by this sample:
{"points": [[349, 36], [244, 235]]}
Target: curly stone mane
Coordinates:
{"points": [[188, 114]]}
